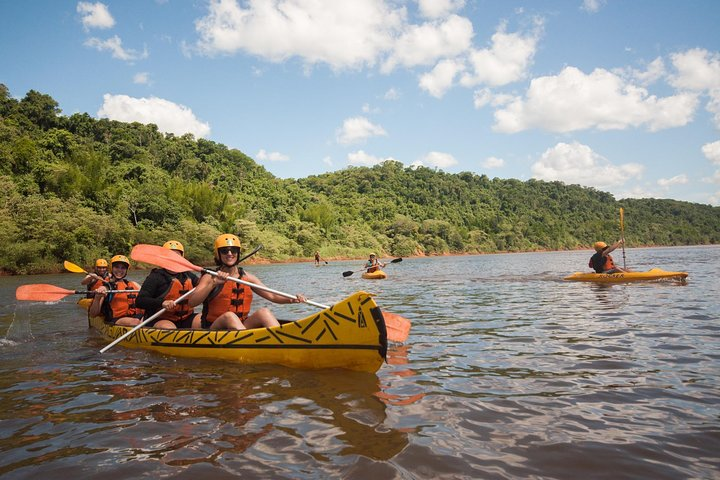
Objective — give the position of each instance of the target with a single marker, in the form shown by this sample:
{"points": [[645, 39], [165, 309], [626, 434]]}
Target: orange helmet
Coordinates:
{"points": [[225, 240], [101, 262], [174, 245], [599, 246], [120, 259]]}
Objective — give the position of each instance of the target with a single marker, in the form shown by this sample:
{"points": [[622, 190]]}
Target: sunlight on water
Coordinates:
{"points": [[509, 372]]}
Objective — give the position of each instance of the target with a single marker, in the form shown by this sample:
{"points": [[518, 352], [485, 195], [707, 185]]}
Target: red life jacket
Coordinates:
{"points": [[228, 297], [175, 291], [122, 304]]}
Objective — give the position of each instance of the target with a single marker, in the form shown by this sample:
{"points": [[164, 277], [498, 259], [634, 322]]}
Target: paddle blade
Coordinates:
{"points": [[41, 292], [71, 267], [396, 260], [348, 273], [163, 258], [398, 328]]}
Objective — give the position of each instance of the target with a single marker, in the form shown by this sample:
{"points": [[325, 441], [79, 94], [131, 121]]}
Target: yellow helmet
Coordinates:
{"points": [[225, 240], [120, 259], [599, 246], [373, 255], [174, 245], [101, 262]]}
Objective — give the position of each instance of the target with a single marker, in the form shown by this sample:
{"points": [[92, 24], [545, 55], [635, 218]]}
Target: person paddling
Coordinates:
{"points": [[373, 264], [95, 280], [601, 261], [160, 290], [226, 304], [117, 308]]}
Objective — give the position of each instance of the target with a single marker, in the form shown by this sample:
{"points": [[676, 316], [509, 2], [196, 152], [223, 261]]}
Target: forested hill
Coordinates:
{"points": [[77, 188]]}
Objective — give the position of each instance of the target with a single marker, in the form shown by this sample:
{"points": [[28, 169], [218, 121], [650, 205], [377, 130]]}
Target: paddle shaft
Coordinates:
{"points": [[144, 322], [622, 234]]}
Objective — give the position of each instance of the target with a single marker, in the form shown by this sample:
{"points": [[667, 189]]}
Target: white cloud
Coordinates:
{"points": [[713, 106], [506, 61], [141, 78], [493, 162], [482, 97], [676, 180], [439, 8], [392, 94], [577, 163], [697, 69], [95, 15], [592, 6], [712, 152], [168, 116], [114, 45], [264, 156], [714, 179], [364, 159], [327, 161], [715, 199], [440, 79], [655, 71], [358, 129], [573, 100], [425, 44], [341, 33], [437, 159]]}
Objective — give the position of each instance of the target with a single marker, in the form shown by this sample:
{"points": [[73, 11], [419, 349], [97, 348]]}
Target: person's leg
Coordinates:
{"points": [[127, 321], [261, 318], [227, 321]]}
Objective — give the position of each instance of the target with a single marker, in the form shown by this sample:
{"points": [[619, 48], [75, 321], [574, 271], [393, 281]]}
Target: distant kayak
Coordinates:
{"points": [[654, 274], [376, 275]]}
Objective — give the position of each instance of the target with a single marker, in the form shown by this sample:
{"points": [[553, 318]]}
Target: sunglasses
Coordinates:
{"points": [[229, 250]]}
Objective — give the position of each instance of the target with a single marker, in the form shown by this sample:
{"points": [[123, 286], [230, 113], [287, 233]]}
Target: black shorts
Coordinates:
{"points": [[184, 323]]}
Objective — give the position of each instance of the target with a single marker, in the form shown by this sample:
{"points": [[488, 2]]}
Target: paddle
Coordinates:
{"points": [[147, 320], [169, 260], [622, 234], [42, 292], [71, 267], [350, 272]]}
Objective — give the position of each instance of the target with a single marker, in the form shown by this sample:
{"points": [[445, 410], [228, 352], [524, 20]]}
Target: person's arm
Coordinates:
{"points": [[204, 287], [98, 300], [607, 251], [146, 299], [273, 297]]}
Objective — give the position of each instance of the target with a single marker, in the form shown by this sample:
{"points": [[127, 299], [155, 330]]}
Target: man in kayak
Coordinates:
{"points": [[373, 264], [601, 261], [94, 280], [160, 290], [317, 258], [117, 308], [226, 304]]}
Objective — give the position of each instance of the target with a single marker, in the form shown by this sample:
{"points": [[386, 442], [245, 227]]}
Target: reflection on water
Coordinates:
{"points": [[509, 372]]}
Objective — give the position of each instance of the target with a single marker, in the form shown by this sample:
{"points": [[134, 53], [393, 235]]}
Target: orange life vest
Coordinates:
{"points": [[605, 263], [228, 297], [176, 290], [95, 284], [122, 304]]}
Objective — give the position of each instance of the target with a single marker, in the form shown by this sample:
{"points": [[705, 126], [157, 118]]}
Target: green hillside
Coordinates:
{"points": [[77, 188]]}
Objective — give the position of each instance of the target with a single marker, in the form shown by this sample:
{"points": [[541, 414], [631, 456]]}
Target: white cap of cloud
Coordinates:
{"points": [[493, 162], [676, 180], [697, 69], [439, 8], [95, 15], [364, 159], [114, 45], [437, 159], [577, 163], [358, 129], [441, 78], [574, 100], [271, 156], [168, 116], [712, 152]]}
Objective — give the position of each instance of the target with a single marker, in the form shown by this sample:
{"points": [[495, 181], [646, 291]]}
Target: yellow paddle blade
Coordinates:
{"points": [[71, 267]]}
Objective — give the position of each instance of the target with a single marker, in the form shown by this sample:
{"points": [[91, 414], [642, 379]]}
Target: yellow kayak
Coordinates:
{"points": [[350, 334], [376, 275], [85, 303], [654, 274]]}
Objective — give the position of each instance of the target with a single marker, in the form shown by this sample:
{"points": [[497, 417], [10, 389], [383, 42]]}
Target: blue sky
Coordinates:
{"points": [[623, 96]]}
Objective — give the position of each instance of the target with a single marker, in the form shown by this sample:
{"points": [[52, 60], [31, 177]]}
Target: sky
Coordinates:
{"points": [[622, 96]]}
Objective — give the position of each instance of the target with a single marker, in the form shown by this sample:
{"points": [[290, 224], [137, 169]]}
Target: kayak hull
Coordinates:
{"points": [[623, 277], [85, 303], [376, 275], [350, 334]]}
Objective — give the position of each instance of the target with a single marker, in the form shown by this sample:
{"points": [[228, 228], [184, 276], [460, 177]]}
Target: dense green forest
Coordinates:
{"points": [[78, 188]]}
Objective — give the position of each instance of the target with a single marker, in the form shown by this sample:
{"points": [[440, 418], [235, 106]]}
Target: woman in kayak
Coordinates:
{"points": [[601, 261], [94, 280], [226, 304], [117, 308], [160, 290], [373, 264]]}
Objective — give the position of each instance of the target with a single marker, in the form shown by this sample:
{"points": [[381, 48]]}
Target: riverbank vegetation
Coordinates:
{"points": [[78, 188]]}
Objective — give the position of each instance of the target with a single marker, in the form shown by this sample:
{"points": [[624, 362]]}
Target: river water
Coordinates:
{"points": [[509, 372]]}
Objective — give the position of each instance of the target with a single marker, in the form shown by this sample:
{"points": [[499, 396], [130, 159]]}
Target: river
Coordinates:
{"points": [[509, 372]]}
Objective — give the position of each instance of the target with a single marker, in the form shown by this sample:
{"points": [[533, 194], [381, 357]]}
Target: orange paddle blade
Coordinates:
{"points": [[398, 328], [163, 258], [42, 292]]}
